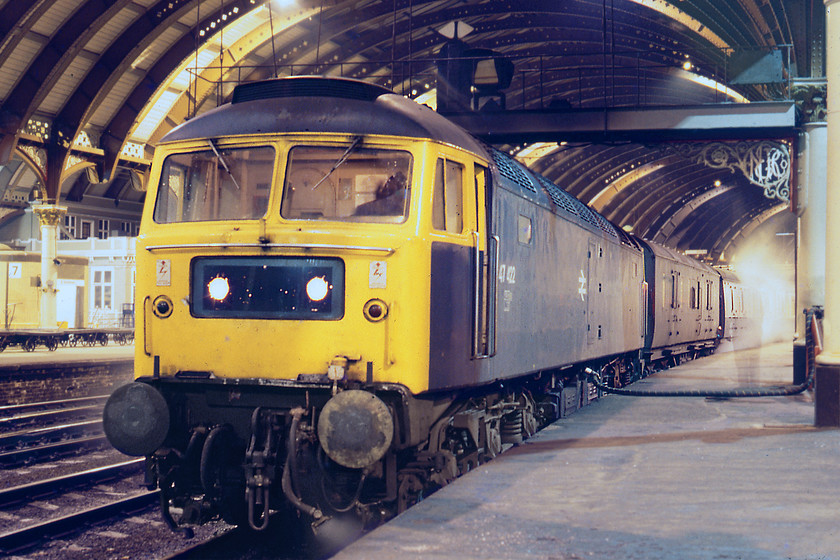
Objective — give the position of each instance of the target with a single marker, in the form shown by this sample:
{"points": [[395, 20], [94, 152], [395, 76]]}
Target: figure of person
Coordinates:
{"points": [[390, 198]]}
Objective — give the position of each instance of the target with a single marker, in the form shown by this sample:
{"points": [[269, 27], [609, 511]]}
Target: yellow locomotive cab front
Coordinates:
{"points": [[321, 276]]}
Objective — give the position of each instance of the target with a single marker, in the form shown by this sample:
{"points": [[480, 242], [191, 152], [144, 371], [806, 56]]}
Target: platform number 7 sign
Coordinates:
{"points": [[15, 270]]}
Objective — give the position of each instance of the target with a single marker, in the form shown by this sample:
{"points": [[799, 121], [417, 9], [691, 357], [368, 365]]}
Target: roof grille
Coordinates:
{"points": [[574, 206], [308, 87], [510, 169], [560, 197]]}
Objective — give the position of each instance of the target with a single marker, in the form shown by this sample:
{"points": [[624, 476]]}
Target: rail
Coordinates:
{"points": [[29, 537], [21, 448], [37, 490]]}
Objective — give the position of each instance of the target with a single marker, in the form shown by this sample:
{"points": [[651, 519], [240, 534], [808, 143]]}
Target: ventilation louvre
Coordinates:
{"points": [[308, 87], [510, 169]]}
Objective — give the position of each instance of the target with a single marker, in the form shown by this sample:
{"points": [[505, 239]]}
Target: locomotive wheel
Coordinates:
{"points": [[410, 491], [52, 344], [494, 443], [29, 344]]}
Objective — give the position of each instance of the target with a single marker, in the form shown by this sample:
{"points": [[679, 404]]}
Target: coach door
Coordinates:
{"points": [[594, 299]]}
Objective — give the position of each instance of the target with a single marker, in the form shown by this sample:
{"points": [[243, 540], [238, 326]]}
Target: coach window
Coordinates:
{"points": [[708, 295], [695, 296], [447, 213], [675, 290]]}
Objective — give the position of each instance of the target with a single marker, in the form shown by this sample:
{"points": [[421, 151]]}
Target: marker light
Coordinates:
{"points": [[218, 288], [317, 288]]}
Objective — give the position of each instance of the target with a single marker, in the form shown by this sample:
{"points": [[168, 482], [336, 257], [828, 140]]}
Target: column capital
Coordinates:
{"points": [[49, 214]]}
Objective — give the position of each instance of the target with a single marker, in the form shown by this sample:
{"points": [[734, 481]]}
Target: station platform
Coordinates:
{"points": [[16, 356], [65, 373], [646, 478]]}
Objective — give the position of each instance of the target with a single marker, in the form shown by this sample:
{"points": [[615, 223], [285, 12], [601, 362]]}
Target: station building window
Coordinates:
{"points": [[69, 230], [129, 229], [103, 287], [86, 229]]}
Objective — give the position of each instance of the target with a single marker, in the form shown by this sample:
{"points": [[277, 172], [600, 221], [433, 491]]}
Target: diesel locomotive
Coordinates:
{"points": [[345, 301]]}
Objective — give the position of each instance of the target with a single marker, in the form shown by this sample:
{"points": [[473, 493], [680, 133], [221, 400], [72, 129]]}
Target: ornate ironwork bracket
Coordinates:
{"points": [[764, 163]]}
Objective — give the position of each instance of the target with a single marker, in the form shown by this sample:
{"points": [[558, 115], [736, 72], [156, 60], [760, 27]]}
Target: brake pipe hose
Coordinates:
{"points": [[714, 393], [811, 334]]}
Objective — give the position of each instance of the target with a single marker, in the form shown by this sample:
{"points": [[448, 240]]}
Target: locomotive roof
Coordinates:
{"points": [[314, 104]]}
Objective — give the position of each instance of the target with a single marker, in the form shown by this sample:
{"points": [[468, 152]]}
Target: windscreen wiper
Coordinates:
{"points": [[356, 141], [224, 164]]}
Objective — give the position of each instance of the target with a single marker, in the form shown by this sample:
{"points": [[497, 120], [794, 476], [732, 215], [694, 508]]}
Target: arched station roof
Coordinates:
{"points": [[100, 81]]}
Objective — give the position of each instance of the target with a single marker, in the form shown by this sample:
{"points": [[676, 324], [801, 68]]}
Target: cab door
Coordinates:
{"points": [[460, 276], [486, 257]]}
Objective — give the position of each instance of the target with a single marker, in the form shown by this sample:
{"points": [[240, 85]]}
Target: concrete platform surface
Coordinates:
{"points": [[646, 478]]}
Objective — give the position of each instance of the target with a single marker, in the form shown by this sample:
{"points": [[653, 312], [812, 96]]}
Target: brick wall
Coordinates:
{"points": [[48, 382]]}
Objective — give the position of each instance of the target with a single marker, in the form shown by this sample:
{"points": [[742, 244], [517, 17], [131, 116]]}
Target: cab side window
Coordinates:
{"points": [[447, 207]]}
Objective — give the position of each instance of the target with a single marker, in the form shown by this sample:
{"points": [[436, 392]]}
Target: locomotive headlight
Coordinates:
{"points": [[267, 287], [219, 288], [317, 288]]}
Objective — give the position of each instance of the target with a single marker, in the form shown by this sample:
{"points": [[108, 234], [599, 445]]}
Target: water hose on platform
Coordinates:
{"points": [[812, 344]]}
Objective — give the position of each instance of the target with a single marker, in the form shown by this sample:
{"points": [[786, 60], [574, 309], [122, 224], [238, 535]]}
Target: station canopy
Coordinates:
{"points": [[115, 75]]}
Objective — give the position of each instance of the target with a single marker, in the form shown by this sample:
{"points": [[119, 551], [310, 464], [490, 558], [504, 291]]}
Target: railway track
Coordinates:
{"points": [[25, 447], [41, 417], [29, 537], [64, 490], [17, 416], [32, 433], [78, 514], [12, 410], [90, 514], [38, 490]]}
